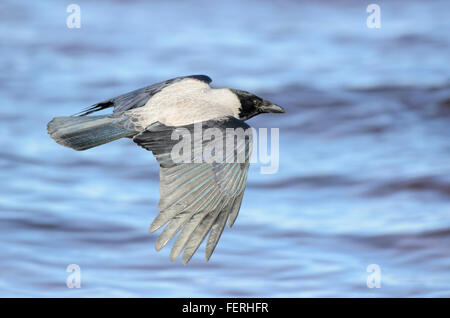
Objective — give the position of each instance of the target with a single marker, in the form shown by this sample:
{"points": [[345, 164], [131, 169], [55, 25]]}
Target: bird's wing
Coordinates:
{"points": [[198, 197], [139, 97]]}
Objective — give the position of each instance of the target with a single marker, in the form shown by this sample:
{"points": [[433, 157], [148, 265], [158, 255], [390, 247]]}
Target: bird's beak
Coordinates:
{"points": [[268, 107]]}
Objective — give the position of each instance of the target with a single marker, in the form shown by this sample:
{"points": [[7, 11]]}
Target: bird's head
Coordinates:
{"points": [[252, 105]]}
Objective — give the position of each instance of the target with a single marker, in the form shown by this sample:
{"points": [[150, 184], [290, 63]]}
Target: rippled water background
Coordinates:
{"points": [[364, 173]]}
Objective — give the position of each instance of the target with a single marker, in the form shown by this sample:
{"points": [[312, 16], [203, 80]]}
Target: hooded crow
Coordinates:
{"points": [[197, 197]]}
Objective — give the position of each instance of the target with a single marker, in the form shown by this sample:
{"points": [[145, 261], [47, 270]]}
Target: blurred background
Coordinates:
{"points": [[364, 173]]}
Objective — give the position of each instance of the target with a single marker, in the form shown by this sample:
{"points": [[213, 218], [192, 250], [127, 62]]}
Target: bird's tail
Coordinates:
{"points": [[82, 133]]}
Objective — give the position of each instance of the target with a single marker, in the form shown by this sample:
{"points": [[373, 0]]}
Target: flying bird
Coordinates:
{"points": [[196, 198]]}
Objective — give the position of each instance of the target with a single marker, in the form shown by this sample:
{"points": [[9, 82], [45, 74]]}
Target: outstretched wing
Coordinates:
{"points": [[139, 97], [199, 194]]}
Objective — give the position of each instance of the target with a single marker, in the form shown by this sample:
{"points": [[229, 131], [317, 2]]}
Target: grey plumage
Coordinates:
{"points": [[138, 97], [197, 198]]}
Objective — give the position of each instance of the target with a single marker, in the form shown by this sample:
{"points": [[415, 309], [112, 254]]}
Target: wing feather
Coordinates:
{"points": [[216, 232], [188, 230], [138, 97], [199, 234], [196, 198]]}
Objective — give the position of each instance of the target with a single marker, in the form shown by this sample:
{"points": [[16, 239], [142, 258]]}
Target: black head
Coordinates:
{"points": [[252, 105]]}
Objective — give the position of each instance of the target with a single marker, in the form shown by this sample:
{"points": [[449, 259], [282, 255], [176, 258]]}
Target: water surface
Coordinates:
{"points": [[364, 173]]}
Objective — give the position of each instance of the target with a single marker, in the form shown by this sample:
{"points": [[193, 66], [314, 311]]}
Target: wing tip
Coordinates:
{"points": [[186, 258], [156, 224]]}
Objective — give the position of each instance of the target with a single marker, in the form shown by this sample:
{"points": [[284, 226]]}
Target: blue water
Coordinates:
{"points": [[364, 172]]}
